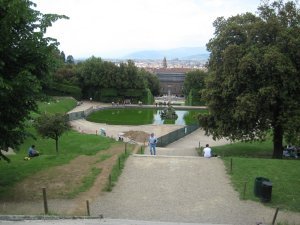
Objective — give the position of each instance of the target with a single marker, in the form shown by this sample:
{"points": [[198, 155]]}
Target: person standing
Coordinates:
{"points": [[207, 151], [152, 144]]}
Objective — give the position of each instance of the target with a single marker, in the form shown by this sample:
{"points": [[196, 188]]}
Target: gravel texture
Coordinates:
{"points": [[178, 188]]}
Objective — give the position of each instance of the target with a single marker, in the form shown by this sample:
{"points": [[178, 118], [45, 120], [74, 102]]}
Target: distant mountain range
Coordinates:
{"points": [[184, 53]]}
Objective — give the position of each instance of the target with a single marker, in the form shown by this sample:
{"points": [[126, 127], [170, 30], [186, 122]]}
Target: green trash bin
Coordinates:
{"points": [[258, 185], [266, 191]]}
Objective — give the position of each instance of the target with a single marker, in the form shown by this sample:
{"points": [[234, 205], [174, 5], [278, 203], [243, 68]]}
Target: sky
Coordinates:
{"points": [[115, 28]]}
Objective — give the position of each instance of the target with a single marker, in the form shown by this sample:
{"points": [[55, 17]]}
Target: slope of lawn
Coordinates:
{"points": [[55, 105], [71, 145], [252, 160]]}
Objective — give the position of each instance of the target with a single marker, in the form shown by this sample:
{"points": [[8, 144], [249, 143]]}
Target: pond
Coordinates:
{"points": [[141, 116]]}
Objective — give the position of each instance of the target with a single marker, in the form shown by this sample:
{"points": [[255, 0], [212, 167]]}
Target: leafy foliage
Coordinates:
{"points": [[194, 83], [99, 78], [26, 57], [254, 81], [52, 126]]}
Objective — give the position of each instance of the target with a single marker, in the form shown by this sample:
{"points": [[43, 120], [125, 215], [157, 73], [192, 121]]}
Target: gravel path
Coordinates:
{"points": [[177, 186]]}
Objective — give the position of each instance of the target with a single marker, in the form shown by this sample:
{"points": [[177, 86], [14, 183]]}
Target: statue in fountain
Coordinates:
{"points": [[168, 113]]}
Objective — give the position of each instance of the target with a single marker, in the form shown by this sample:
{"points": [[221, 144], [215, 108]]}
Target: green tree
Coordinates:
{"points": [[94, 75], [194, 83], [63, 56], [152, 81], [52, 126], [26, 57], [254, 81], [70, 59]]}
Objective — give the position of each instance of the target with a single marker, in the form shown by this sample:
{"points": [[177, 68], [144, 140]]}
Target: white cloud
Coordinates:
{"points": [[108, 28]]}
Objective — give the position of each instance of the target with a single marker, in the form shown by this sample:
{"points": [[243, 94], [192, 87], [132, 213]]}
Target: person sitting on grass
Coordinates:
{"points": [[207, 151], [32, 152]]}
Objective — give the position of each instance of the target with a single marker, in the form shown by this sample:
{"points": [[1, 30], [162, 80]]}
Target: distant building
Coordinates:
{"points": [[171, 79]]}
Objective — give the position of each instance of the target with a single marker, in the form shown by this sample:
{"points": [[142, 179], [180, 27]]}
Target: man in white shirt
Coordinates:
{"points": [[207, 151]]}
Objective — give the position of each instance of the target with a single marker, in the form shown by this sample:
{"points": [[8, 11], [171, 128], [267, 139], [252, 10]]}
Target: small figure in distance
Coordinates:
{"points": [[32, 152], [207, 151], [152, 143]]}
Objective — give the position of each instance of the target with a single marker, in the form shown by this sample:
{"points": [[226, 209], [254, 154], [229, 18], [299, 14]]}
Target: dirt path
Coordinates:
{"points": [[60, 181]]}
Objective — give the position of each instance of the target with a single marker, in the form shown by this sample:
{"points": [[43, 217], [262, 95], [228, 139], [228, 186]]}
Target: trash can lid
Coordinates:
{"points": [[267, 183]]}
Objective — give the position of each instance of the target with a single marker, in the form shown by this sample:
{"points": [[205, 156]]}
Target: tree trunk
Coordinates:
{"points": [[277, 130], [277, 141], [56, 145]]}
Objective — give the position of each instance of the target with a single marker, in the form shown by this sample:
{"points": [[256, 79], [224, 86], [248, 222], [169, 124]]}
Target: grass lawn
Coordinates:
{"points": [[246, 149], [251, 160], [71, 145], [284, 175], [57, 105]]}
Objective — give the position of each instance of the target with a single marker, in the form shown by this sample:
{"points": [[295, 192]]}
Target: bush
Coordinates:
{"points": [[65, 90]]}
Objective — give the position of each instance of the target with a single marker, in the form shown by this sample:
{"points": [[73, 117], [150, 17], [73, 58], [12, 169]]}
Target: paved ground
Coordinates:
{"points": [[92, 222], [178, 189]]}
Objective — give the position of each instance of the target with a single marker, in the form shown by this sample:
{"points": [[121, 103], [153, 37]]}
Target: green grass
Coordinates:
{"points": [[122, 116], [87, 182], [246, 149], [284, 175], [71, 145], [57, 105], [251, 160], [117, 169], [136, 116], [191, 116]]}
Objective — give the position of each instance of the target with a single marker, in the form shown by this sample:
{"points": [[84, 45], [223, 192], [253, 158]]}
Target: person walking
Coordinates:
{"points": [[207, 151], [152, 144]]}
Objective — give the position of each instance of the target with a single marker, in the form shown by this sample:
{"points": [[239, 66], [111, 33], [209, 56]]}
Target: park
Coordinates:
{"points": [[89, 123]]}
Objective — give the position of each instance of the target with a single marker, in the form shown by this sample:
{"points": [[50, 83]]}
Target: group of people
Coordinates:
{"points": [[207, 152]]}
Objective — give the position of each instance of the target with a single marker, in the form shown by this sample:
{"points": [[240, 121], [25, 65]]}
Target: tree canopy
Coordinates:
{"points": [[194, 83], [26, 57], [254, 75], [98, 77], [52, 126]]}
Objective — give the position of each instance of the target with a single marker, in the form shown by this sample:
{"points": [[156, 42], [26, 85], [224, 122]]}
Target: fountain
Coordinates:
{"points": [[168, 113]]}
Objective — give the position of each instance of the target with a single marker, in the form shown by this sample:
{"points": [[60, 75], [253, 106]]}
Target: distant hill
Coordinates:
{"points": [[184, 53]]}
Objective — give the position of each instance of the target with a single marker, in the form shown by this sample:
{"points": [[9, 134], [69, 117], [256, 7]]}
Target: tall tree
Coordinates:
{"points": [[152, 81], [254, 82], [52, 126], [63, 56], [194, 83], [26, 57], [70, 59], [194, 80]]}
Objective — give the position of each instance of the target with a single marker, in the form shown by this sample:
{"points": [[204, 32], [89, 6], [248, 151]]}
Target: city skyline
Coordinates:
{"points": [[116, 28]]}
